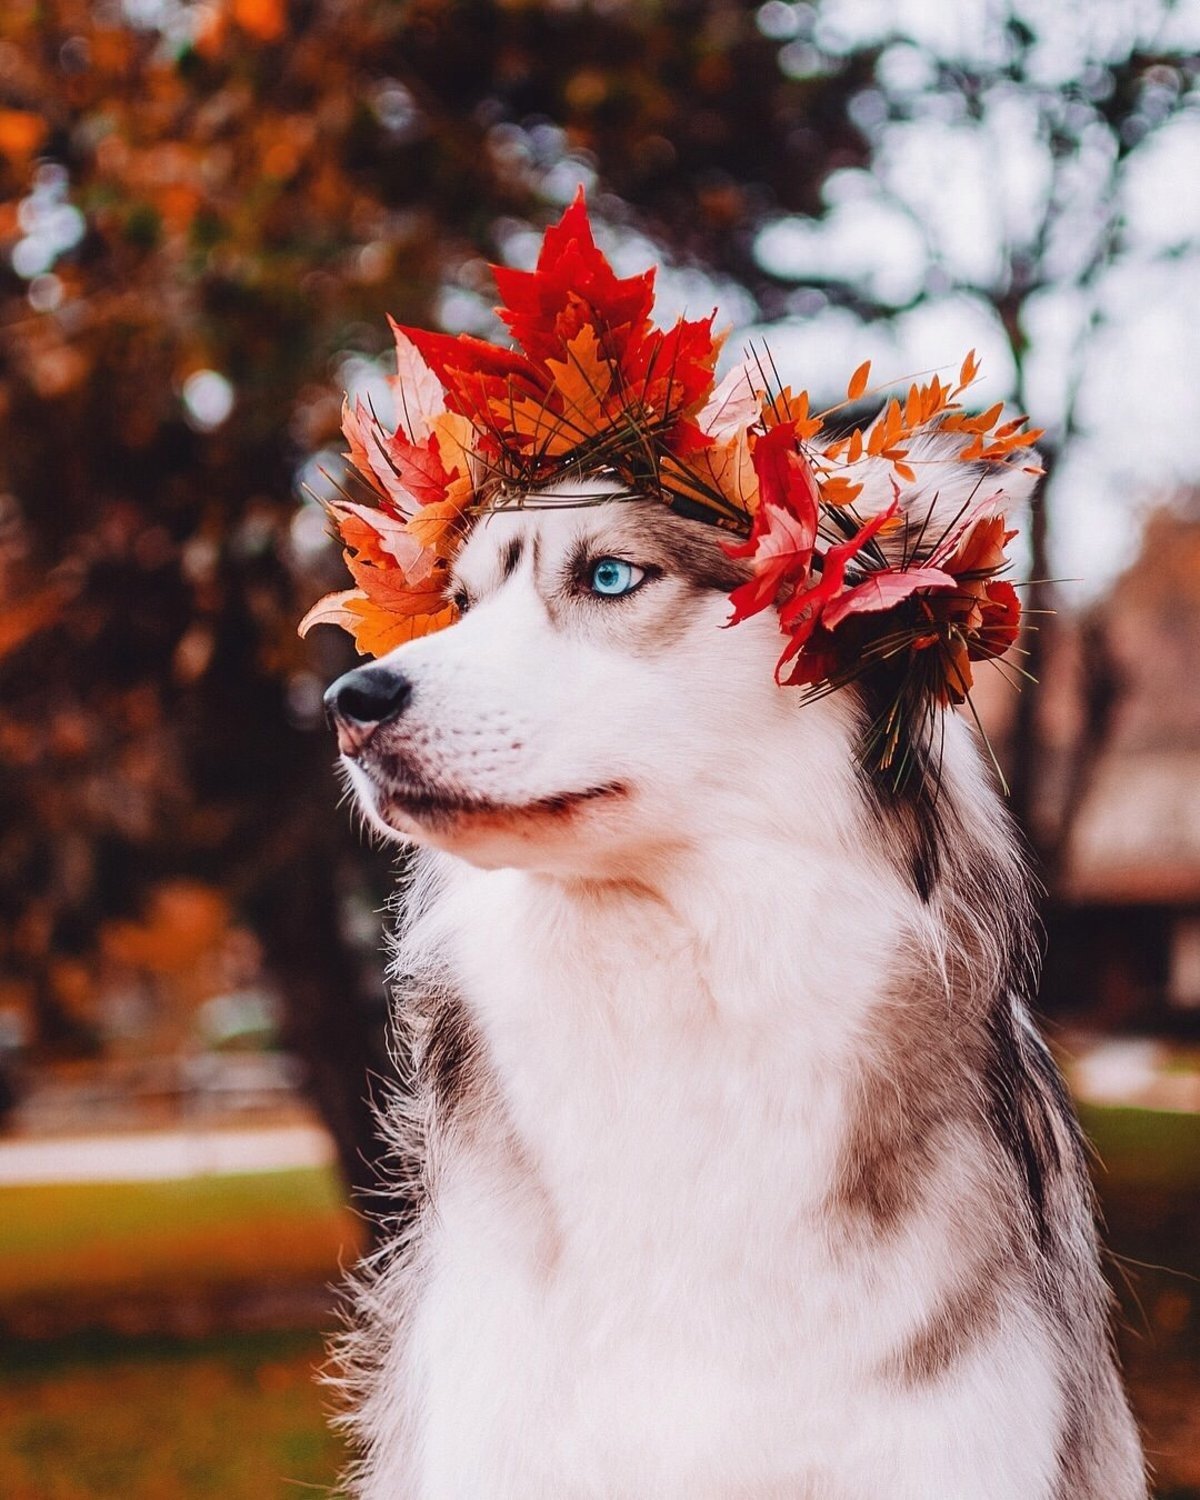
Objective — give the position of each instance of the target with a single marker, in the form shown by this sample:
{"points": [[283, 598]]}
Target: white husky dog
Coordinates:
{"points": [[736, 1166]]}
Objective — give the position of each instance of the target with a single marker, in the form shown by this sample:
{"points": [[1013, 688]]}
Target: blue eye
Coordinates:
{"points": [[611, 577]]}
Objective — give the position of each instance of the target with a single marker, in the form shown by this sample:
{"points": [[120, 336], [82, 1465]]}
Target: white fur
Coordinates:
{"points": [[628, 1283]]}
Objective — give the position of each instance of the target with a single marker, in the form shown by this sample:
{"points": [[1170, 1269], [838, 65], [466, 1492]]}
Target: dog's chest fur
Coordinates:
{"points": [[740, 1175], [652, 1261]]}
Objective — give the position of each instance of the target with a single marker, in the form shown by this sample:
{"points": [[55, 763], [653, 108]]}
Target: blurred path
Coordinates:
{"points": [[1135, 1072], [162, 1155]]}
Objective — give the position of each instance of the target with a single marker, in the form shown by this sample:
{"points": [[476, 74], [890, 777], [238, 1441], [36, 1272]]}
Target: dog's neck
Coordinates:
{"points": [[645, 1041], [769, 928]]}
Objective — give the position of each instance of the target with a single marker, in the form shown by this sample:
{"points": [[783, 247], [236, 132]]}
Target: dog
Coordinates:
{"points": [[735, 1165]]}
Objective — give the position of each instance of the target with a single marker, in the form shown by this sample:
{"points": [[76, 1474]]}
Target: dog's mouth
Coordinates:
{"points": [[404, 798]]}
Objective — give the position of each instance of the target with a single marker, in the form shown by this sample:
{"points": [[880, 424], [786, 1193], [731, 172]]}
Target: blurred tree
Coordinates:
{"points": [[1019, 157], [206, 210]]}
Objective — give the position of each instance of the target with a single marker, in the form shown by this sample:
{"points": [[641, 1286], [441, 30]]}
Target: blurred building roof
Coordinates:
{"points": [[1136, 837]]}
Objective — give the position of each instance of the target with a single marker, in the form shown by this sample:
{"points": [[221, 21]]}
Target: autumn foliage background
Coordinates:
{"points": [[238, 195], [207, 211]]}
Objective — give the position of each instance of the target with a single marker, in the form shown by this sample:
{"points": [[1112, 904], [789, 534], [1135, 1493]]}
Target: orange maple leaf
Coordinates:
{"points": [[377, 629], [582, 382]]}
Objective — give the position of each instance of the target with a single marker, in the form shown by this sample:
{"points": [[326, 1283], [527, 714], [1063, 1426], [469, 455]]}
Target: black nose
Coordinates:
{"points": [[369, 695]]}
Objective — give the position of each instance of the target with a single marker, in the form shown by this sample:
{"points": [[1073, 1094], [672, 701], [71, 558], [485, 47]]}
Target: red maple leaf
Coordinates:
{"points": [[418, 467], [1001, 622], [884, 589], [480, 379], [784, 530], [671, 372], [573, 285], [801, 615]]}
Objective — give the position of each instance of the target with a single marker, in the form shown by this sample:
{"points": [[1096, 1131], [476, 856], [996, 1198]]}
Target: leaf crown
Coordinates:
{"points": [[592, 385]]}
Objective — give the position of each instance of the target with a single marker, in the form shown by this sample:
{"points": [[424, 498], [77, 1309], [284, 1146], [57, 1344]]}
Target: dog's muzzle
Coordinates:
{"points": [[363, 699]]}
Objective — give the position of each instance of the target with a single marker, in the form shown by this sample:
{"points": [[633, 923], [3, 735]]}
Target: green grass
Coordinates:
{"points": [[98, 1417], [240, 1417], [237, 1418], [1143, 1148], [155, 1238], [158, 1238]]}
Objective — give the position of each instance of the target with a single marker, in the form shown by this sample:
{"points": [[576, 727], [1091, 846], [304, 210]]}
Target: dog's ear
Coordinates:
{"points": [[946, 489]]}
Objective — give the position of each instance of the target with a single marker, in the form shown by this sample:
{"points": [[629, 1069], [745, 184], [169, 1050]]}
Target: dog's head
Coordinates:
{"points": [[587, 698], [586, 702], [588, 710]]}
